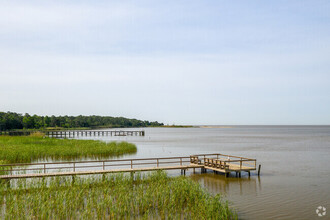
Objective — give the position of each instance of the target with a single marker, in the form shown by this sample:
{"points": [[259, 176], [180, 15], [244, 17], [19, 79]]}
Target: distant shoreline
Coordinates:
{"points": [[214, 126]]}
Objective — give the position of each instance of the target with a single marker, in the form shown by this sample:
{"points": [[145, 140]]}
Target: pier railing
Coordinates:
{"points": [[73, 166], [216, 162], [223, 161], [94, 133], [77, 133]]}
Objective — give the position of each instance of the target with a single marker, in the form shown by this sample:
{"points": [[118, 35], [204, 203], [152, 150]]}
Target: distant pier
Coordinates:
{"points": [[93, 133], [76, 133]]}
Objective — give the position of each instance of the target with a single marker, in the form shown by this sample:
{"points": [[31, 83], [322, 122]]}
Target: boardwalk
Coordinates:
{"points": [[93, 133], [219, 163], [77, 133]]}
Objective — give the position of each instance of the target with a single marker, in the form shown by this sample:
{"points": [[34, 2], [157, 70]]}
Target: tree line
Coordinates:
{"points": [[12, 120]]}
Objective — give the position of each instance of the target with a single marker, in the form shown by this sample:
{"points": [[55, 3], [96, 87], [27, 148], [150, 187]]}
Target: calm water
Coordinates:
{"points": [[295, 173]]}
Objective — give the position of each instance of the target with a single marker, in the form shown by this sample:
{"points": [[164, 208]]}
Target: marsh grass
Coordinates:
{"points": [[22, 149], [151, 196], [37, 134]]}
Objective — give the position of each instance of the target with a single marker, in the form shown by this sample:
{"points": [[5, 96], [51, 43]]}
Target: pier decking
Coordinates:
{"points": [[219, 163]]}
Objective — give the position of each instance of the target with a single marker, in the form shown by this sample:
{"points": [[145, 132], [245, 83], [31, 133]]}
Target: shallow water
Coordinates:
{"points": [[295, 174]]}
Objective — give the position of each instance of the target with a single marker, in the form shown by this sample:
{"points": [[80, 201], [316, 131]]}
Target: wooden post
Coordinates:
{"points": [[74, 167], [103, 165], [131, 164], [240, 164], [181, 161], [259, 169], [44, 168], [157, 162]]}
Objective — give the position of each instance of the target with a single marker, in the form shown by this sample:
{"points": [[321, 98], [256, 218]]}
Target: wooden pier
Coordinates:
{"points": [[93, 133], [219, 163], [76, 133]]}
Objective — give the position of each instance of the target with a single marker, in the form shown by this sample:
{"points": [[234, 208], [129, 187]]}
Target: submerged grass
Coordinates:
{"points": [[152, 196], [22, 149]]}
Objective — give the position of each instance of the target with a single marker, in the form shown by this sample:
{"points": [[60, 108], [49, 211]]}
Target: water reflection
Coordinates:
{"points": [[217, 183]]}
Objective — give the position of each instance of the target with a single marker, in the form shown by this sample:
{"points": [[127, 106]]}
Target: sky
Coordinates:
{"points": [[177, 62]]}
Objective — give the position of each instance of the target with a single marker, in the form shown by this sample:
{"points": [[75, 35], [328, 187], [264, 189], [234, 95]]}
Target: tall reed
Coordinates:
{"points": [[27, 149], [154, 195]]}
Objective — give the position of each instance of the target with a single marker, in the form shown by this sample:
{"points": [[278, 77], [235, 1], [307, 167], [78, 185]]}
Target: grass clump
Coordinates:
{"points": [[22, 149], [152, 196], [37, 134]]}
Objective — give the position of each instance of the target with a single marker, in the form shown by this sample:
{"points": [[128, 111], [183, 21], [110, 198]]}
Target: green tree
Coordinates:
{"points": [[28, 121]]}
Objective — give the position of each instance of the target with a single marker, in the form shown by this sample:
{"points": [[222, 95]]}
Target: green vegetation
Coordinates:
{"points": [[27, 149], [153, 196], [11, 120]]}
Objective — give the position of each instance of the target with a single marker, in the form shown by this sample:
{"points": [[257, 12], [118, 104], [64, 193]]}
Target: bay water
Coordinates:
{"points": [[295, 171]]}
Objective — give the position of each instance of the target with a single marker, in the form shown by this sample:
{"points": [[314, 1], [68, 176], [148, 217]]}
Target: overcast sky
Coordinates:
{"points": [[177, 62]]}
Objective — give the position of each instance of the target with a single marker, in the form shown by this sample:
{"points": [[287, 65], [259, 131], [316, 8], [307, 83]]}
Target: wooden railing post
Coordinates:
{"points": [[157, 162], [240, 164], [74, 167], [131, 164], [103, 165], [181, 161], [44, 168]]}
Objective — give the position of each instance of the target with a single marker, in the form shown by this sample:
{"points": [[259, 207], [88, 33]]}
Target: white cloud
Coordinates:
{"points": [[42, 16]]}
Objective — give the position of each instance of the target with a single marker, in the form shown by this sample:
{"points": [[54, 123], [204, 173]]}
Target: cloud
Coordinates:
{"points": [[38, 16]]}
